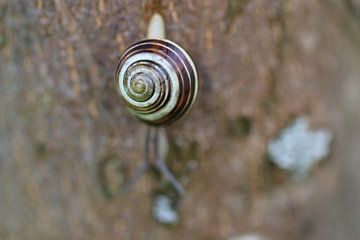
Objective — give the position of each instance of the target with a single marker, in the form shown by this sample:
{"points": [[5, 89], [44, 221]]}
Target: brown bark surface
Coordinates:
{"points": [[67, 141]]}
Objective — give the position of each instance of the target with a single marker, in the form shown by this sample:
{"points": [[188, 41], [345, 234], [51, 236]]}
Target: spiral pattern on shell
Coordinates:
{"points": [[158, 80]]}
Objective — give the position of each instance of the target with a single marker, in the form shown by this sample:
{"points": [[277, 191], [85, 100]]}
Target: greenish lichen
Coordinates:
{"points": [[110, 175], [234, 10], [240, 126], [2, 41], [40, 150]]}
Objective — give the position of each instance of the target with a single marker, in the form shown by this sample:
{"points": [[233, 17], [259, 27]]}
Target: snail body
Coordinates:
{"points": [[158, 80]]}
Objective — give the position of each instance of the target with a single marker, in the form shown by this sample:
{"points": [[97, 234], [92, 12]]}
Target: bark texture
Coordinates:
{"points": [[67, 141]]}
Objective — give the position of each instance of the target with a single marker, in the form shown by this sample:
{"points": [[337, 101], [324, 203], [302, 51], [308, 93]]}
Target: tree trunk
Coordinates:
{"points": [[68, 143]]}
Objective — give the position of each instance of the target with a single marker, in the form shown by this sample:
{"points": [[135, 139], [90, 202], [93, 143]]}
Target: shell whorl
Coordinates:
{"points": [[158, 81]]}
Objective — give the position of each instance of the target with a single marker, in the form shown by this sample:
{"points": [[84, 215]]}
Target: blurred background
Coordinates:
{"points": [[269, 151]]}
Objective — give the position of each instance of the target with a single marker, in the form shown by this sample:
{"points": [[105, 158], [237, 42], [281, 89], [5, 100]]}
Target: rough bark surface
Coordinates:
{"points": [[67, 141]]}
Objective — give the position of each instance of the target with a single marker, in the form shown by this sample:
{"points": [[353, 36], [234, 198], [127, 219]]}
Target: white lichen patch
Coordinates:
{"points": [[298, 148], [247, 237], [163, 210]]}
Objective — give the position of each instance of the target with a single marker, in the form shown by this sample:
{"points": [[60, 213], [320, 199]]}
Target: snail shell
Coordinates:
{"points": [[158, 81]]}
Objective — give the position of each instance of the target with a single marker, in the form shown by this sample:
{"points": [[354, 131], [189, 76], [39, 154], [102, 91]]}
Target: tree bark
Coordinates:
{"points": [[68, 143]]}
